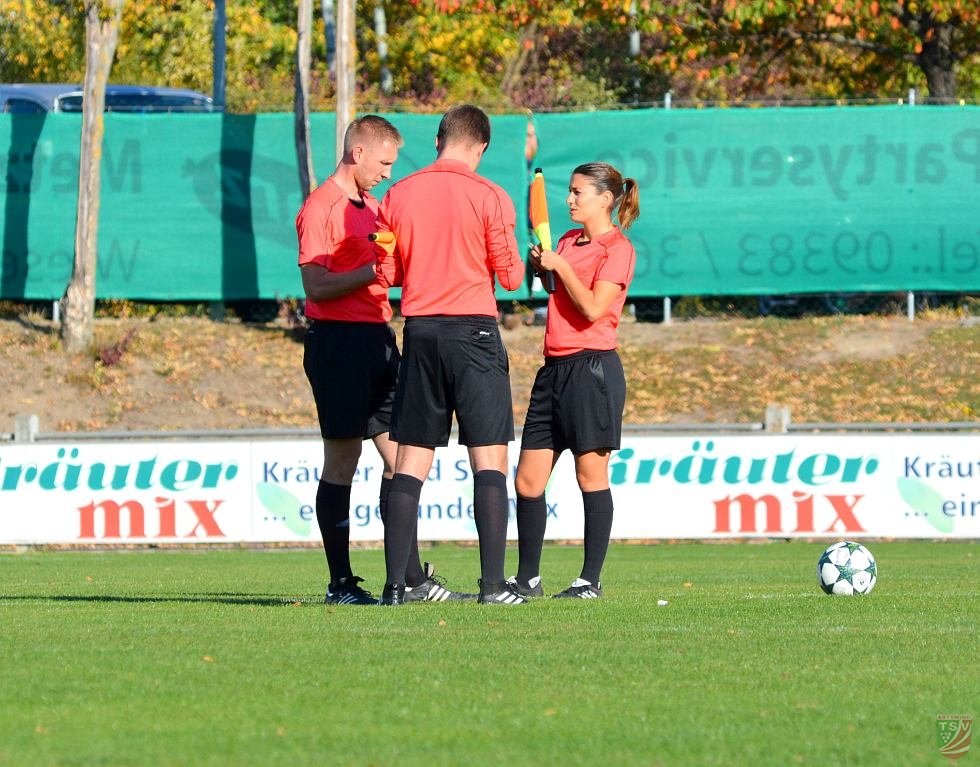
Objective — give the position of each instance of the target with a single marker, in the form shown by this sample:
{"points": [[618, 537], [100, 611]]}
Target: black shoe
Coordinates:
{"points": [[433, 589], [499, 594], [534, 589], [580, 589], [393, 594], [347, 592]]}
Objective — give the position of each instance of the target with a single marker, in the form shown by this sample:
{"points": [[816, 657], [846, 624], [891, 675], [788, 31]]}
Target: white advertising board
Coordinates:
{"points": [[882, 485]]}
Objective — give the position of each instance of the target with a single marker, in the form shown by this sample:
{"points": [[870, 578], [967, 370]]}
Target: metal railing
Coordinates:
{"points": [[777, 421]]}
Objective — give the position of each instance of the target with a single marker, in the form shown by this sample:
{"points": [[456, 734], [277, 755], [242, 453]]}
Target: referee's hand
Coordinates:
{"points": [[534, 255], [548, 261]]}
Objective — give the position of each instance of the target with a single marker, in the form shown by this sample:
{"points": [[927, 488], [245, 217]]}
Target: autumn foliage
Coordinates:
{"points": [[538, 54]]}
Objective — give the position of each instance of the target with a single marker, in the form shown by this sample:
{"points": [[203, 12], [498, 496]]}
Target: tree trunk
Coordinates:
{"points": [[329, 34], [516, 65], [101, 35], [938, 62], [381, 33], [301, 101], [346, 66]]}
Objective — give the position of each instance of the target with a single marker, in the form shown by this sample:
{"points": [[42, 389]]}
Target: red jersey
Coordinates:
{"points": [[454, 230], [610, 258], [333, 232]]}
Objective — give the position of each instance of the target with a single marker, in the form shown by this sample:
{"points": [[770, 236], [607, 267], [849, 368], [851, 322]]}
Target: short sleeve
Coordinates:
{"points": [[317, 241], [618, 264]]}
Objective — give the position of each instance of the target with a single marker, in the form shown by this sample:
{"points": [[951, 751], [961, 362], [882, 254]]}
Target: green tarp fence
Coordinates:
{"points": [[740, 201]]}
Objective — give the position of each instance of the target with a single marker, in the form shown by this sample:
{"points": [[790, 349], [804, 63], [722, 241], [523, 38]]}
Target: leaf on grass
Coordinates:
{"points": [[207, 659]]}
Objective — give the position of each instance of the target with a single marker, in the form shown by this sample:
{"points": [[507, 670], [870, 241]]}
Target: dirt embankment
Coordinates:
{"points": [[193, 373]]}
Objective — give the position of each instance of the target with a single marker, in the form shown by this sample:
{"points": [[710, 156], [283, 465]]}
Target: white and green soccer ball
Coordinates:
{"points": [[847, 568]]}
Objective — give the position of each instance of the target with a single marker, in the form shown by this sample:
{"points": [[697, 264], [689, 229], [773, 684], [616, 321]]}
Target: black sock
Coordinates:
{"points": [[402, 516], [333, 518], [598, 506], [414, 574], [532, 517], [383, 498], [490, 512]]}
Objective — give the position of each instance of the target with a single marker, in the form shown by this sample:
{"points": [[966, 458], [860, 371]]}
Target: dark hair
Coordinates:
{"points": [[464, 124], [371, 128], [625, 192]]}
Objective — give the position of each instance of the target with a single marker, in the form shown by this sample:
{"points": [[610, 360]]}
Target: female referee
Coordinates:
{"points": [[579, 394]]}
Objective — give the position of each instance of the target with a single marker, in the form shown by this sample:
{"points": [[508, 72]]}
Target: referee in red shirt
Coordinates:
{"points": [[454, 232], [350, 356], [579, 394]]}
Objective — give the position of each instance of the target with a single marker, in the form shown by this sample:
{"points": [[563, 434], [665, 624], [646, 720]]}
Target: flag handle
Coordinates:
{"points": [[548, 280]]}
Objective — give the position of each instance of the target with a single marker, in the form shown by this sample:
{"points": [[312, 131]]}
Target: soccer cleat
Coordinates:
{"points": [[499, 594], [533, 589], [347, 592], [433, 589], [393, 594], [580, 589]]}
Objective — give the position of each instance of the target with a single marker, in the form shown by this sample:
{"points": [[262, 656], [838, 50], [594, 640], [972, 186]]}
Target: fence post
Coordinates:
{"points": [[910, 297], [219, 55], [26, 427], [667, 306], [777, 419]]}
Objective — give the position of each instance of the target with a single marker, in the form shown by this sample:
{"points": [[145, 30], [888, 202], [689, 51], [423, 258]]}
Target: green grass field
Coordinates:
{"points": [[229, 657]]}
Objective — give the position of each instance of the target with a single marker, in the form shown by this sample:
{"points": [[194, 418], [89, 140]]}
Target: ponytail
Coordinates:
{"points": [[629, 207]]}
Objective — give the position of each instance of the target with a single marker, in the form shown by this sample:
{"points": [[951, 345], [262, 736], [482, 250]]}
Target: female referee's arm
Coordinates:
{"points": [[592, 303]]}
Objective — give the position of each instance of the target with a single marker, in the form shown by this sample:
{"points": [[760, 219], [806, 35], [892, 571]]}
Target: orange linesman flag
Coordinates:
{"points": [[540, 223], [539, 210]]}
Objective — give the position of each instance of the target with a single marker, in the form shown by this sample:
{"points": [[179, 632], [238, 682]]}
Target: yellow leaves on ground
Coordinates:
{"points": [[192, 373], [857, 369]]}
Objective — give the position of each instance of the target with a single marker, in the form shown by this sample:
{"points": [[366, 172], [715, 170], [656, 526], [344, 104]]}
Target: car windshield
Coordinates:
{"points": [[140, 102], [22, 106]]}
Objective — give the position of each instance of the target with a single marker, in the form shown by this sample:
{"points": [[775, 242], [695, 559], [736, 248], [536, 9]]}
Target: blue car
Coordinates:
{"points": [[35, 98]]}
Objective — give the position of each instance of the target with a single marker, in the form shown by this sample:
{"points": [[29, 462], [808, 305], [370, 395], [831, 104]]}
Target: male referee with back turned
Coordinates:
{"points": [[454, 230]]}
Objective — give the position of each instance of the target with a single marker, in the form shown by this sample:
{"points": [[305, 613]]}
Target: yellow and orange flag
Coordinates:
{"points": [[539, 210], [385, 239], [538, 203]]}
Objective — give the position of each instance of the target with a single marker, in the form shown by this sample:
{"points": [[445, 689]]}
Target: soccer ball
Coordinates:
{"points": [[847, 568]]}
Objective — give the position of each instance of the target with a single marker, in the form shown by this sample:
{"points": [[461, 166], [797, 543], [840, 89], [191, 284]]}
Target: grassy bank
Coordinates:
{"points": [[166, 373]]}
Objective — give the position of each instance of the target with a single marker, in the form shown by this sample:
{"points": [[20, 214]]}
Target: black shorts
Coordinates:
{"points": [[577, 404], [453, 365], [353, 369]]}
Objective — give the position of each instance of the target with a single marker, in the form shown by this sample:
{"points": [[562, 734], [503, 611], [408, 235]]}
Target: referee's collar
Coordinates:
{"points": [[449, 164], [606, 237]]}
